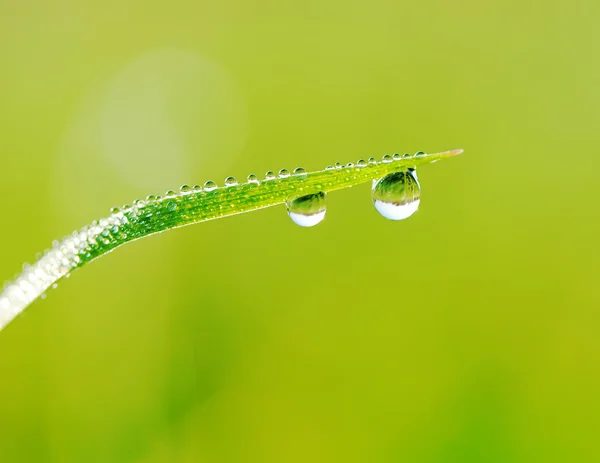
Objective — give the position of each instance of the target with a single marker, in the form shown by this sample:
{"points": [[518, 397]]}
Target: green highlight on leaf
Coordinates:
{"points": [[303, 192]]}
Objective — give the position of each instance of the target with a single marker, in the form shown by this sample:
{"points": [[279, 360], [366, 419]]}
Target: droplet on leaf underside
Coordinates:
{"points": [[307, 210], [397, 196]]}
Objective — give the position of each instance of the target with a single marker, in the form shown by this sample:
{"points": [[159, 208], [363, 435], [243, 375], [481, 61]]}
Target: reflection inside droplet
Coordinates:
{"points": [[307, 210], [397, 195]]}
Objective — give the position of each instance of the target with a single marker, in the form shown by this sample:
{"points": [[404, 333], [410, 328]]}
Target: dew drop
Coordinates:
{"points": [[284, 173], [350, 164], [386, 158], [307, 210], [419, 153], [299, 171], [397, 157], [338, 165], [185, 189], [197, 187], [269, 175], [372, 160], [150, 198], [170, 194], [329, 168], [397, 195], [361, 163], [115, 210], [210, 185], [230, 181]]}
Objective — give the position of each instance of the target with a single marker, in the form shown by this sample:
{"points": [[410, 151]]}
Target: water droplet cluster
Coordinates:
{"points": [[396, 196]]}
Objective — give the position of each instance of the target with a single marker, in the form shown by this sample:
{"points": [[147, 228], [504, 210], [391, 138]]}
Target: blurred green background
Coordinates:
{"points": [[469, 332]]}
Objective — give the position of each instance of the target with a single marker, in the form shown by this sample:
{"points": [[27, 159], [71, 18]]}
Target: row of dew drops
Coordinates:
{"points": [[395, 196]]}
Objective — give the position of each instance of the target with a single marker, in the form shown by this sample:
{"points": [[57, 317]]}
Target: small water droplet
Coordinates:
{"points": [[170, 194], [307, 210], [372, 160], [338, 165], [209, 185], [397, 195], [185, 189], [171, 206], [419, 153], [361, 163], [397, 157], [150, 198], [406, 155], [197, 187], [115, 210], [329, 168], [299, 171], [230, 181], [350, 164], [43, 296], [54, 285], [386, 158], [269, 175], [284, 173], [252, 178]]}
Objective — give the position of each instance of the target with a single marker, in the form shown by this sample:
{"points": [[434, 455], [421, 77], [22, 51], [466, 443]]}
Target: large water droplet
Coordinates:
{"points": [[397, 195], [307, 210]]}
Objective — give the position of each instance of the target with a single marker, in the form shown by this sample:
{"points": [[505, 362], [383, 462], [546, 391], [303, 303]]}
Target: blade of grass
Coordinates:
{"points": [[190, 206]]}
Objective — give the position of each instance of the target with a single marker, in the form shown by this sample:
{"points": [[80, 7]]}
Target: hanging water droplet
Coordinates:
{"points": [[252, 178], [269, 175], [284, 173], [185, 189], [299, 171], [361, 163], [209, 185], [386, 158], [307, 210], [230, 181], [397, 195]]}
